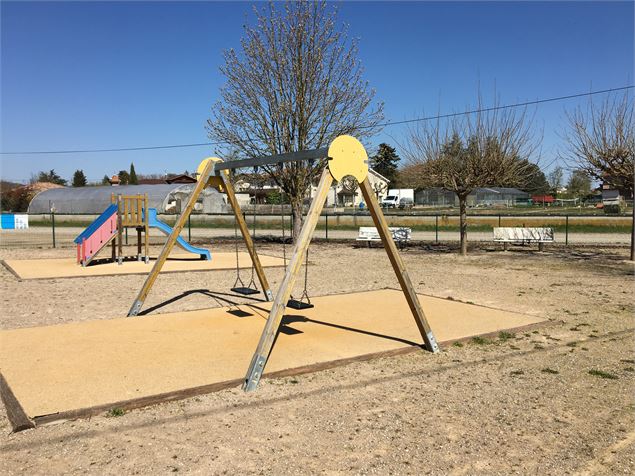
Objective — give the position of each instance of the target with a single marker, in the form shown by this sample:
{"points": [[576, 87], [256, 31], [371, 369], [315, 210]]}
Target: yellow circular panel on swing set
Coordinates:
{"points": [[213, 180], [347, 156]]}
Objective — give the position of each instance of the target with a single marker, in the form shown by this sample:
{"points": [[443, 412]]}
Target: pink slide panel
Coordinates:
{"points": [[95, 242]]}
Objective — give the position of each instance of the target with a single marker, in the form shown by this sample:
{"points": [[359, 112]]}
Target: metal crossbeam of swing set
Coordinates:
{"points": [[300, 156], [346, 157]]}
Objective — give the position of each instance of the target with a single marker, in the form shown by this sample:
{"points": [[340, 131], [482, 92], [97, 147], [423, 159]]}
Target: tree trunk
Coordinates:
{"points": [[463, 223], [298, 218], [633, 233]]}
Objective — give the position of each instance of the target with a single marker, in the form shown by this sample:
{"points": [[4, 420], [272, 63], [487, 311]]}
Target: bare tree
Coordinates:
{"points": [[555, 179], [380, 188], [350, 185], [296, 85], [601, 141], [484, 149]]}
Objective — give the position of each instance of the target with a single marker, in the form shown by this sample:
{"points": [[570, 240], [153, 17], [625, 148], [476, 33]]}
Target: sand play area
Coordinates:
{"points": [[86, 368], [68, 267]]}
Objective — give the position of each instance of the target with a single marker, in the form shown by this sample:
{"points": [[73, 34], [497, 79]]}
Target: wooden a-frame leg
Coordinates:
{"points": [[119, 229], [398, 266], [169, 244], [259, 360], [244, 230]]}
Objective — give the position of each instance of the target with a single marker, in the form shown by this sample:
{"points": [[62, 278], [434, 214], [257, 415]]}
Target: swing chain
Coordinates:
{"points": [[252, 283], [238, 279]]}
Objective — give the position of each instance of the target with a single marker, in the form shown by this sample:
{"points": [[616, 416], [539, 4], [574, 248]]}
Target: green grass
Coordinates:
{"points": [[116, 412], [478, 340], [505, 336], [458, 344], [603, 374], [227, 223]]}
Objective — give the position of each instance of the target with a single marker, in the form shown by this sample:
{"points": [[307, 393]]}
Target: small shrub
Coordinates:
{"points": [[547, 370], [612, 209], [116, 412], [506, 336], [478, 340]]}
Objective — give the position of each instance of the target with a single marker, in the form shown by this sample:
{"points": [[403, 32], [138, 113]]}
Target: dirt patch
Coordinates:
{"points": [[516, 403]]}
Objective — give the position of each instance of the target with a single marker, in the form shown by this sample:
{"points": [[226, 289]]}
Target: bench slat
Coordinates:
{"points": [[370, 233], [523, 235]]}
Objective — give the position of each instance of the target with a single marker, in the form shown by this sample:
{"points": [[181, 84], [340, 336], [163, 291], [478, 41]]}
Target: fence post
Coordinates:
{"points": [[189, 228], [499, 220], [255, 222], [566, 230], [126, 234], [436, 228], [53, 225], [326, 216]]}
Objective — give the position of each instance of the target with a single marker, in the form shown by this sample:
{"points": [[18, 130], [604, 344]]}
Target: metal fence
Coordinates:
{"points": [[50, 231]]}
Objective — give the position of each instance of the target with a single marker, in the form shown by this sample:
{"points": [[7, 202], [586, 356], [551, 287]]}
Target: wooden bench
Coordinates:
{"points": [[399, 234], [523, 236]]}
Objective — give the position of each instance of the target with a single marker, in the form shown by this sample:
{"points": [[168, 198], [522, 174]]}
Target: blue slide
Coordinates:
{"points": [[154, 222]]}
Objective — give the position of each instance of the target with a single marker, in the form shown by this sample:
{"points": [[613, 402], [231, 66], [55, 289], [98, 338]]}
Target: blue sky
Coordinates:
{"points": [[116, 74]]}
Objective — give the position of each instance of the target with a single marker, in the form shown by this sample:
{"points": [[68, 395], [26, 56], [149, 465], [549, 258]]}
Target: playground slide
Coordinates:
{"points": [[154, 222], [97, 235]]}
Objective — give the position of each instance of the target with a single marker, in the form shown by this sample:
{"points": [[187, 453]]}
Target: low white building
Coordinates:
{"points": [[347, 193]]}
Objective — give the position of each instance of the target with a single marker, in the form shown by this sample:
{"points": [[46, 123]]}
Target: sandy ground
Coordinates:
{"points": [[517, 404]]}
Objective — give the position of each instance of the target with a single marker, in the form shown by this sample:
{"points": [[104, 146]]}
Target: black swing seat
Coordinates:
{"points": [[299, 305], [245, 291]]}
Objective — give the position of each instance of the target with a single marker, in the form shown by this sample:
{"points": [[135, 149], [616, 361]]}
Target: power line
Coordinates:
{"points": [[385, 124], [119, 149], [508, 106]]}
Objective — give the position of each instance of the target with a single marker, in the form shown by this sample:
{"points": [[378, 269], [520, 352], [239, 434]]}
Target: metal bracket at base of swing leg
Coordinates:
{"points": [[135, 309], [268, 295], [434, 347], [254, 373]]}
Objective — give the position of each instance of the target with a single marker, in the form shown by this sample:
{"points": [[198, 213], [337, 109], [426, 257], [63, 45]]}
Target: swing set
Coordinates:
{"points": [[345, 156]]}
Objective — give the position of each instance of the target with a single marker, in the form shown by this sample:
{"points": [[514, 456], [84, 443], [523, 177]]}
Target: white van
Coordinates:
{"points": [[391, 201]]}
